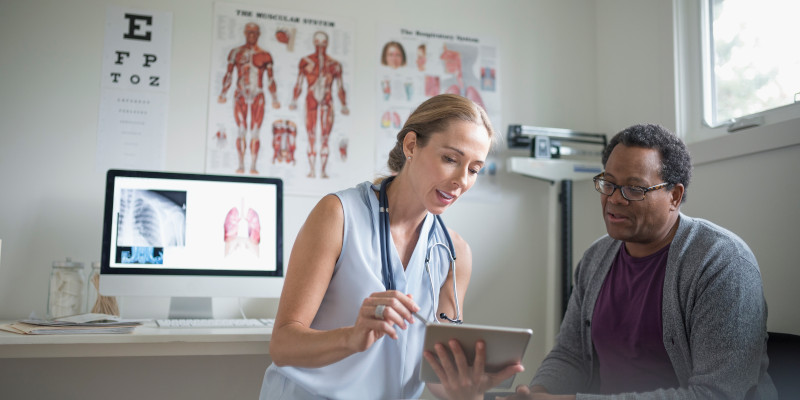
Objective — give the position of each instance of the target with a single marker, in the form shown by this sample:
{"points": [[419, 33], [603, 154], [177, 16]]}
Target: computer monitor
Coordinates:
{"points": [[191, 237]]}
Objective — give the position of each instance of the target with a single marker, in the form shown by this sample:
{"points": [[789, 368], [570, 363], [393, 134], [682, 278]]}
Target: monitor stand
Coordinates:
{"points": [[190, 308]]}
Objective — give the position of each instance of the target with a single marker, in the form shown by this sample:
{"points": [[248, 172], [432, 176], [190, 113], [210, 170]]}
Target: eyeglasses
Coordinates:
{"points": [[630, 193]]}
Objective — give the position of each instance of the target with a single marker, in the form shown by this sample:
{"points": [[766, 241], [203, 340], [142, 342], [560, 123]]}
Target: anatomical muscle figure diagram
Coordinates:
{"points": [[320, 71], [250, 63], [284, 136]]}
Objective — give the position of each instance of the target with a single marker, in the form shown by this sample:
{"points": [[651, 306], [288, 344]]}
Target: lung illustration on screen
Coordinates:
{"points": [[148, 221], [242, 231]]}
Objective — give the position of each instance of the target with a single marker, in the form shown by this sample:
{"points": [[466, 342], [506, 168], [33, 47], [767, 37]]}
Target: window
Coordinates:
{"points": [[737, 65], [752, 57]]}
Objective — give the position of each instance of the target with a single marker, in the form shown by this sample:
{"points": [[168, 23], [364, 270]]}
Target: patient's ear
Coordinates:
{"points": [[677, 196]]}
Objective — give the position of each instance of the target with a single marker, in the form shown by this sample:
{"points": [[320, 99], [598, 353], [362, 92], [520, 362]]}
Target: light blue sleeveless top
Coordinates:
{"points": [[389, 369]]}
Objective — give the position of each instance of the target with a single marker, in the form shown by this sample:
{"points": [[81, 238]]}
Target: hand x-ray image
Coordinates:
{"points": [[151, 218]]}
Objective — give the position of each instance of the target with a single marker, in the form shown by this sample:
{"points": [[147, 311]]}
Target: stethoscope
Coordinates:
{"points": [[386, 270]]}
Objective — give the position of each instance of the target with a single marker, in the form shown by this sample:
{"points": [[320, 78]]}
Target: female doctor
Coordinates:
{"points": [[344, 327]]}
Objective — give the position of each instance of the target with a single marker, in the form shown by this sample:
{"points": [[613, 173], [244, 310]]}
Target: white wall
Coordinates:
{"points": [[580, 64]]}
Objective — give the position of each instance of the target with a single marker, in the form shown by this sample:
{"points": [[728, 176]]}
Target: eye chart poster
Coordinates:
{"points": [[279, 96], [134, 90], [416, 64]]}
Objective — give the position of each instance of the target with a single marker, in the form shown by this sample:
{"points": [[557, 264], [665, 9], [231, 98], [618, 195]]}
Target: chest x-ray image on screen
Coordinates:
{"points": [[150, 219]]}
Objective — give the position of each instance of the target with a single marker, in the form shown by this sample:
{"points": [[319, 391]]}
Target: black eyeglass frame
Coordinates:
{"points": [[599, 177]]}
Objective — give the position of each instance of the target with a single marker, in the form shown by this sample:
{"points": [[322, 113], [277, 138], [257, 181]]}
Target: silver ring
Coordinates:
{"points": [[379, 311]]}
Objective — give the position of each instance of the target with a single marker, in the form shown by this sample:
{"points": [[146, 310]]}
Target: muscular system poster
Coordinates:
{"points": [[416, 64], [278, 97]]}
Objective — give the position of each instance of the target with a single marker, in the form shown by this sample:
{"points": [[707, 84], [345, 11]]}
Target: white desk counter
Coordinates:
{"points": [[146, 340], [151, 362]]}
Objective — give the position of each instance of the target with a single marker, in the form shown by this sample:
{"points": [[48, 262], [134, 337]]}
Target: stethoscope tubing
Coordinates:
{"points": [[385, 245]]}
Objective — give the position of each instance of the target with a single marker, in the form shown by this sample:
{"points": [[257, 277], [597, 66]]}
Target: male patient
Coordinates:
{"points": [[665, 306]]}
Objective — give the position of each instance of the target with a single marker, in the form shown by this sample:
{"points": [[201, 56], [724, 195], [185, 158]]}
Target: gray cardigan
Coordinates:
{"points": [[713, 312]]}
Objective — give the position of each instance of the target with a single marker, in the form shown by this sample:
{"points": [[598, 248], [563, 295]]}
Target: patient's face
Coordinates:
{"points": [[642, 223]]}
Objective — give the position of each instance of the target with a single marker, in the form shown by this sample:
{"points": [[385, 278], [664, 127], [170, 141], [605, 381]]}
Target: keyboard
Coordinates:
{"points": [[216, 323]]}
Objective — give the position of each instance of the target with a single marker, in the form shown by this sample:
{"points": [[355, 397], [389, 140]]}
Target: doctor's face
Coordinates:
{"points": [[447, 166]]}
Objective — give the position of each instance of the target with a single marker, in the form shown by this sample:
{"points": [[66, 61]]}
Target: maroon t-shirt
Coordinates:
{"points": [[627, 328]]}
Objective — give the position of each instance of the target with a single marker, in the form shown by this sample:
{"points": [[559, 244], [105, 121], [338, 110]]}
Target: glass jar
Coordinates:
{"points": [[95, 302], [67, 289]]}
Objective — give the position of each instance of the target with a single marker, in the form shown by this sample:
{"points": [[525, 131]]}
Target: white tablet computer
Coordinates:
{"points": [[504, 346]]}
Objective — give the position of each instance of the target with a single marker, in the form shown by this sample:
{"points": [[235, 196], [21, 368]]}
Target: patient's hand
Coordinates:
{"points": [[536, 392]]}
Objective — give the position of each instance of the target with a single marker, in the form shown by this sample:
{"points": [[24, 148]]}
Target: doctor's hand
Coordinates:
{"points": [[379, 314], [458, 378]]}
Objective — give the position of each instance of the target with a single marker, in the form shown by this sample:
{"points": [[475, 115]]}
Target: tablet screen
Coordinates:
{"points": [[504, 346]]}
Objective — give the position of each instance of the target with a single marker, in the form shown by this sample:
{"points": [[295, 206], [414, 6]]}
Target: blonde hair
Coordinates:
{"points": [[434, 116]]}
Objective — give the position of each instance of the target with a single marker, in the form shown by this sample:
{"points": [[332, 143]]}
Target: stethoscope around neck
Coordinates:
{"points": [[386, 266]]}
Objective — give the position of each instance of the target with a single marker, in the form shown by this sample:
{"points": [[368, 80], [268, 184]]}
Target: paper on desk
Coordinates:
{"points": [[83, 320], [89, 317], [74, 324], [33, 329], [10, 328]]}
